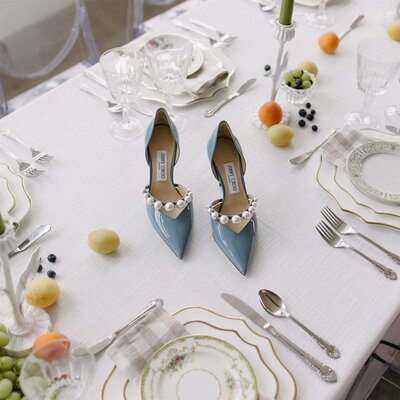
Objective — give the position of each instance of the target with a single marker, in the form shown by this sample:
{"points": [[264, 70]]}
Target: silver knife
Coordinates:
{"points": [[323, 371], [103, 344], [238, 92], [31, 239]]}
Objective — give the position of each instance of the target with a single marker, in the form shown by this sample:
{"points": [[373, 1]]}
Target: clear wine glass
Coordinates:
{"points": [[320, 19], [169, 67], [59, 369], [378, 61], [123, 69]]}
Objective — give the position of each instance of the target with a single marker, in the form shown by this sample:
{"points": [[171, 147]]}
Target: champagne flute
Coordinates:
{"points": [[123, 69], [320, 19], [378, 61]]}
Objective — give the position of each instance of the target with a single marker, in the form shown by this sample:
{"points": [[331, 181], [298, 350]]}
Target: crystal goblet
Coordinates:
{"points": [[320, 18]]}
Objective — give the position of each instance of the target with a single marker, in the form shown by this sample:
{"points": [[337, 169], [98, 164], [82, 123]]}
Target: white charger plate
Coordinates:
{"points": [[273, 379], [198, 367]]}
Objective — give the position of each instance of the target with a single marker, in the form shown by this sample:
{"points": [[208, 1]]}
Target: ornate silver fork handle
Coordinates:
{"points": [[17, 139], [394, 257], [12, 155], [323, 371], [387, 272], [331, 350]]}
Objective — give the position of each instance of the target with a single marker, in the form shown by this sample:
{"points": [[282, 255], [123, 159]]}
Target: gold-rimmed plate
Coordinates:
{"points": [[7, 198], [273, 378]]}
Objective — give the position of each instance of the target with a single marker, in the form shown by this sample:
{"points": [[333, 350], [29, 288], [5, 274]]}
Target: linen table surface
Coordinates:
{"points": [[96, 182]]}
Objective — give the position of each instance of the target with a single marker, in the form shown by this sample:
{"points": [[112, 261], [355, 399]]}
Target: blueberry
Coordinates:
{"points": [[52, 258], [308, 105], [302, 123], [267, 68], [310, 117], [289, 84], [51, 274], [302, 112], [314, 128], [40, 268], [312, 112]]}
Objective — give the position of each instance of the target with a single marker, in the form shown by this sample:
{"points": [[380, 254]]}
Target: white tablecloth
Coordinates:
{"points": [[96, 182]]}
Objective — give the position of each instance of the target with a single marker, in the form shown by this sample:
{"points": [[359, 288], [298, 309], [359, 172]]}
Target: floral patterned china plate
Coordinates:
{"points": [[198, 367], [378, 183]]}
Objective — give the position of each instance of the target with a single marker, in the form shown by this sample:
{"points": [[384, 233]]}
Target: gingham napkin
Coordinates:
{"points": [[131, 351], [210, 73], [337, 149]]}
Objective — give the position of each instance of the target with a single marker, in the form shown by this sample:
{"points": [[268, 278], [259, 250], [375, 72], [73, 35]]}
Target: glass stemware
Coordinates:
{"points": [[320, 19], [392, 15], [123, 69], [378, 61], [59, 369], [169, 67]]}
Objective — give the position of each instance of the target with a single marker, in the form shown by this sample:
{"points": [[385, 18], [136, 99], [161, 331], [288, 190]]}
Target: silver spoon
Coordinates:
{"points": [[274, 305], [352, 26], [112, 107]]}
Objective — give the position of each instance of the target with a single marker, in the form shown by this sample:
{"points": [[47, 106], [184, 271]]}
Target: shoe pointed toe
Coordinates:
{"points": [[236, 246], [174, 232]]}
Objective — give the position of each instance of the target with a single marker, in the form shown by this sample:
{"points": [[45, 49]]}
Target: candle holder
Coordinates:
{"points": [[282, 34], [24, 323]]}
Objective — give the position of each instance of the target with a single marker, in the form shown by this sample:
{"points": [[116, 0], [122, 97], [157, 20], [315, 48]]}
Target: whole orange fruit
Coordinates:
{"points": [[51, 346], [270, 113], [329, 42]]}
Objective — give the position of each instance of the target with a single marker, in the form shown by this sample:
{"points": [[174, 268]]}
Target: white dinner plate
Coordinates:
{"points": [[273, 379], [374, 169], [7, 198], [198, 367], [16, 185]]}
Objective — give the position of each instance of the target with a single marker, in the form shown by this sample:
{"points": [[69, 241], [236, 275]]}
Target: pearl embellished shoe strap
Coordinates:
{"points": [[169, 205]]}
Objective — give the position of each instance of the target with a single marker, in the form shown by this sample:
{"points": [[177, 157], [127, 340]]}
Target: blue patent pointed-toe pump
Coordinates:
{"points": [[233, 219], [169, 205]]}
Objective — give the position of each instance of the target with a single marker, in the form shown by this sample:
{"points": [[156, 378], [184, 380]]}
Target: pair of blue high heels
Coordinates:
{"points": [[170, 206]]}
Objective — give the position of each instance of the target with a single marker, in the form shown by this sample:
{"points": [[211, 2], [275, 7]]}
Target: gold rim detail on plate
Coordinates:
{"points": [[345, 209], [223, 329], [11, 194]]}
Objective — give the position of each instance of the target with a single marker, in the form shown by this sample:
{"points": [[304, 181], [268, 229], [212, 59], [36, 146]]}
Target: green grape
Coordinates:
{"points": [[12, 376], [297, 73], [18, 363], [14, 396], [288, 76], [306, 77], [3, 328], [306, 85], [6, 363], [4, 339], [16, 384], [293, 83], [6, 387]]}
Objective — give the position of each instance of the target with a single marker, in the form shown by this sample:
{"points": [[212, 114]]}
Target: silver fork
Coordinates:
{"points": [[345, 229], [25, 168], [221, 35], [334, 240], [37, 155]]}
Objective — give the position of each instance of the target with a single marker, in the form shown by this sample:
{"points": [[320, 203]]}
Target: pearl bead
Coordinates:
{"points": [[157, 205], [188, 199], [181, 203], [254, 204], [209, 210], [189, 193], [224, 219], [150, 200], [246, 215], [251, 209], [169, 206], [236, 219], [214, 215], [255, 199], [146, 195]]}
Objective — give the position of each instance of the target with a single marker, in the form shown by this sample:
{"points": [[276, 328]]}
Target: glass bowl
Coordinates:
{"points": [[298, 96], [59, 369]]}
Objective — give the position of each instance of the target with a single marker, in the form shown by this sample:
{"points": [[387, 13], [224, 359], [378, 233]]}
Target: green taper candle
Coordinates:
{"points": [[285, 18], [2, 226]]}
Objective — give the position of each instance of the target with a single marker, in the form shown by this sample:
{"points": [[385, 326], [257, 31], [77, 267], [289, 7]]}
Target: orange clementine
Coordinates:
{"points": [[270, 113], [329, 42], [51, 346]]}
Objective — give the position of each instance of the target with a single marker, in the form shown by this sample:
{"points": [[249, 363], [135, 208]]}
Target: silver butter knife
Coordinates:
{"points": [[103, 344], [238, 92], [31, 239], [323, 371]]}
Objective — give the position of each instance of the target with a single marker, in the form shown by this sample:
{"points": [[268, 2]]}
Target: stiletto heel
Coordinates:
{"points": [[233, 219], [169, 205]]}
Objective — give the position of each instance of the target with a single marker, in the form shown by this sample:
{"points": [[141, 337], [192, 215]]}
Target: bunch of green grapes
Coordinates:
{"points": [[9, 370], [298, 79]]}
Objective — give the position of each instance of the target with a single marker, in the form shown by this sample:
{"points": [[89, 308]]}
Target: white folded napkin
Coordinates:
{"points": [[131, 351], [337, 149], [210, 73]]}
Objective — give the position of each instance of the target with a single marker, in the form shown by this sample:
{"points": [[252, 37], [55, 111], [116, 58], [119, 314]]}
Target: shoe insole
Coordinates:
{"points": [[162, 152], [227, 162]]}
